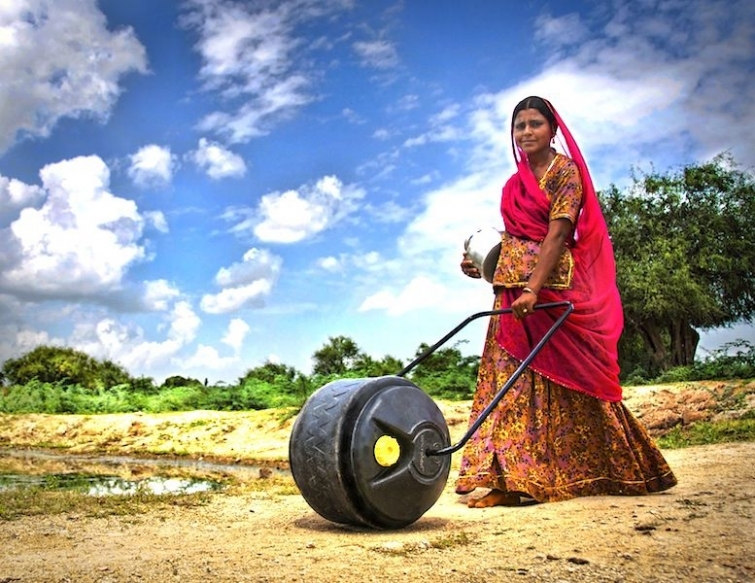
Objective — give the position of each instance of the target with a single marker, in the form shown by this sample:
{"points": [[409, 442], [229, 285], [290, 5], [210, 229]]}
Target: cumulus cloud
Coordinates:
{"points": [[244, 284], [128, 344], [236, 334], [251, 56], [16, 195], [206, 357], [295, 215], [420, 293], [158, 294], [18, 340], [152, 166], [80, 242], [329, 263], [217, 161], [184, 323], [60, 60]]}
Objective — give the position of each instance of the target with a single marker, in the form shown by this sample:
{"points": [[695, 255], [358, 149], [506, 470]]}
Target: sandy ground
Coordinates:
{"points": [[701, 530]]}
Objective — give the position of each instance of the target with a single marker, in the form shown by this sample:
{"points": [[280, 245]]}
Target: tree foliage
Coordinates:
{"points": [[446, 373], [341, 355], [56, 364], [337, 356], [685, 258], [179, 381], [270, 372]]}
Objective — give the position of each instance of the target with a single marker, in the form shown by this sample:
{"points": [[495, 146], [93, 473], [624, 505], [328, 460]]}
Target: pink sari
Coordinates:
{"points": [[582, 355]]}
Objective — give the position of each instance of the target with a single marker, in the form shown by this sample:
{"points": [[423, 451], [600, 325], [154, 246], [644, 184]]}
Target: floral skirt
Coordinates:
{"points": [[552, 443]]}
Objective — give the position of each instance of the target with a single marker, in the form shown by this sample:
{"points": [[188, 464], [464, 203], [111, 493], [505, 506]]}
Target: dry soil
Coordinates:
{"points": [[701, 530]]}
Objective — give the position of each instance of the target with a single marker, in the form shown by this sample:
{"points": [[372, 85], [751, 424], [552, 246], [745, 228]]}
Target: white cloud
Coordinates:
{"points": [[236, 333], [184, 323], [157, 220], [60, 60], [207, 357], [16, 195], [236, 298], [352, 116], [217, 161], [245, 284], [446, 114], [380, 54], [293, 215], [407, 102], [440, 134], [382, 134], [329, 263], [127, 343], [15, 341], [80, 242], [420, 293], [251, 54], [158, 294], [152, 166]]}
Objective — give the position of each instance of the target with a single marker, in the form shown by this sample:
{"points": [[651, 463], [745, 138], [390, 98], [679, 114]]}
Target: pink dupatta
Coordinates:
{"points": [[582, 355]]}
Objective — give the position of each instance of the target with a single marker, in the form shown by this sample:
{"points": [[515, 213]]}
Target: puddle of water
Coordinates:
{"points": [[103, 475], [96, 485], [115, 460]]}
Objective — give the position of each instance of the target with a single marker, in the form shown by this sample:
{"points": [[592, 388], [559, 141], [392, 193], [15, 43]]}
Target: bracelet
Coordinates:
{"points": [[529, 290]]}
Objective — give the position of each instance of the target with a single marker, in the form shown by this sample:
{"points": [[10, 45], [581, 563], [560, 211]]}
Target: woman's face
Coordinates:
{"points": [[532, 132]]}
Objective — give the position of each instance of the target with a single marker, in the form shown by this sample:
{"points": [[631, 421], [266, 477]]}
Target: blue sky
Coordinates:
{"points": [[196, 187]]}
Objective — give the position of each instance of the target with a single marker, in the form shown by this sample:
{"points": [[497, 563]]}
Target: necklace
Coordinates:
{"points": [[541, 182]]}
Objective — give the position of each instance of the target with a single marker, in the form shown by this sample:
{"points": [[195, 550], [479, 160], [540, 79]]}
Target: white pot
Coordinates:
{"points": [[483, 247]]}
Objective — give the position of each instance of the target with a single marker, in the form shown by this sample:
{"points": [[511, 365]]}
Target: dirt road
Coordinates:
{"points": [[701, 531]]}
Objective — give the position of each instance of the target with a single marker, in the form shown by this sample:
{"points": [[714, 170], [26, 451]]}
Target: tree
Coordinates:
{"points": [[684, 254], [446, 373], [270, 372], [336, 357], [179, 381], [366, 366], [52, 364]]}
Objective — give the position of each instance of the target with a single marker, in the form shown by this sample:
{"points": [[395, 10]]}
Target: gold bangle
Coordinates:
{"points": [[529, 290]]}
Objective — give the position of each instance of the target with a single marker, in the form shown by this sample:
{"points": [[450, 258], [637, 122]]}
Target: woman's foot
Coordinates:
{"points": [[495, 498]]}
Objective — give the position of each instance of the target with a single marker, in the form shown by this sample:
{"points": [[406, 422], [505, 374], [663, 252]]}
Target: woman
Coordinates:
{"points": [[561, 431]]}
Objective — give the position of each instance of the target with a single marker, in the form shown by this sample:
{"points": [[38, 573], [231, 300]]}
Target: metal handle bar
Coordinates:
{"points": [[453, 332], [514, 377]]}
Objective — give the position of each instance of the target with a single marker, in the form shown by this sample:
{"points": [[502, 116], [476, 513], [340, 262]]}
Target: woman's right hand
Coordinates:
{"points": [[469, 269]]}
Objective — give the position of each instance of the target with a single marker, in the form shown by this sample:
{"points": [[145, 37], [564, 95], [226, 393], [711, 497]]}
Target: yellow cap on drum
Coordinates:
{"points": [[387, 451]]}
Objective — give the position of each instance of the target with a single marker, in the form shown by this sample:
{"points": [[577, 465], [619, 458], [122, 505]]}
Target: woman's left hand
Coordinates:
{"points": [[524, 305]]}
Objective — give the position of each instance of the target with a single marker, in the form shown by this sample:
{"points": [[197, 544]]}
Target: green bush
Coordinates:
{"points": [[56, 364]]}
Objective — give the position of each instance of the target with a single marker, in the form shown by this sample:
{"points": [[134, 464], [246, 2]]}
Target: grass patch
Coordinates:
{"points": [[38, 501], [273, 485], [443, 542], [707, 433], [451, 540]]}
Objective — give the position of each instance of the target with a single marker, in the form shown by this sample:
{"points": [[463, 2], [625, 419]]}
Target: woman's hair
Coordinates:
{"points": [[538, 103]]}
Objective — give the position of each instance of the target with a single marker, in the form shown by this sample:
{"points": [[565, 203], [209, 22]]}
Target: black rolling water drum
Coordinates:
{"points": [[358, 452]]}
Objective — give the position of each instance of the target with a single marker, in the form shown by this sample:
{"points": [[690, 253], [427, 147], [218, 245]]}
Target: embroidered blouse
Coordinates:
{"points": [[562, 186]]}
